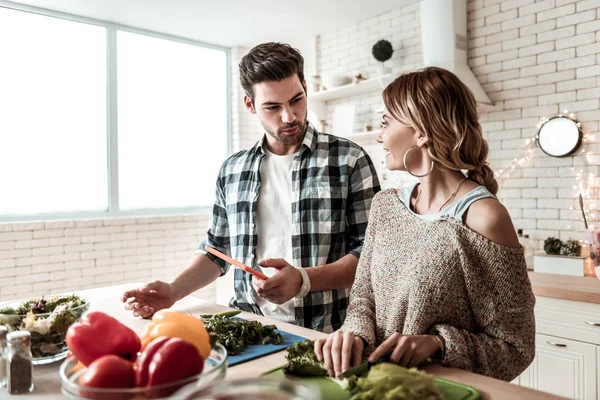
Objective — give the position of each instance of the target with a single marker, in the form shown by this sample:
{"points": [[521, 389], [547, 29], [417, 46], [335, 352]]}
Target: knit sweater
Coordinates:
{"points": [[440, 277]]}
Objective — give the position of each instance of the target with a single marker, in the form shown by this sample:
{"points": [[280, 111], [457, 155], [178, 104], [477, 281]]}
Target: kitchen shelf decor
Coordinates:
{"points": [[365, 86]]}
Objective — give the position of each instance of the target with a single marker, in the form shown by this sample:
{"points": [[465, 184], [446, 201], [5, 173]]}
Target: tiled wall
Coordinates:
{"points": [[40, 258], [534, 60], [348, 50]]}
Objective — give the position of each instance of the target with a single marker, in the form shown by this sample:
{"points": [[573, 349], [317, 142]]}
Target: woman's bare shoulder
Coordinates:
{"points": [[489, 218]]}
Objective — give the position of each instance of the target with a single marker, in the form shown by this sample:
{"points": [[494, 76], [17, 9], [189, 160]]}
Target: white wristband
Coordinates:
{"points": [[305, 288]]}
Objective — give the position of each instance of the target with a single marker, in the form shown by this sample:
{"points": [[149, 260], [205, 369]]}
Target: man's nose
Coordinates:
{"points": [[288, 116]]}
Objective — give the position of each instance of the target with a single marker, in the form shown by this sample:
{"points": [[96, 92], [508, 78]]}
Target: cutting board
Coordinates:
{"points": [[330, 390], [258, 350]]}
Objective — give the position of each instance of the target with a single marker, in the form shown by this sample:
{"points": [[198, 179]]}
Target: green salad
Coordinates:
{"points": [[46, 319]]}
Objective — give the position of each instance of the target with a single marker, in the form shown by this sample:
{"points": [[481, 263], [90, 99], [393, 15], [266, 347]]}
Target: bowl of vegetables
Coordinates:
{"points": [[47, 319], [72, 377], [110, 361]]}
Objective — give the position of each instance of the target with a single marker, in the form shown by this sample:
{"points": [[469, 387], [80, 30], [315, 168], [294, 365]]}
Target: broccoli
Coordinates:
{"points": [[302, 360]]}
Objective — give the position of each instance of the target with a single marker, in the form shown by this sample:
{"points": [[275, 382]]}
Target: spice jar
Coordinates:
{"points": [[20, 365], [3, 353]]}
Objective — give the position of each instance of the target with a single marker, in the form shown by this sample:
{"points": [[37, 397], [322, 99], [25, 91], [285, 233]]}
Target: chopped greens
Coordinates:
{"points": [[236, 334], [388, 381], [302, 360], [385, 381], [47, 320]]}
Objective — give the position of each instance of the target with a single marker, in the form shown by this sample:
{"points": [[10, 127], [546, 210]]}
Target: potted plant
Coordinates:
{"points": [[560, 258], [382, 51]]}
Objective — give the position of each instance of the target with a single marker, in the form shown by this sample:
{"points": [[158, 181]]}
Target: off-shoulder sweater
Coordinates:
{"points": [[440, 277]]}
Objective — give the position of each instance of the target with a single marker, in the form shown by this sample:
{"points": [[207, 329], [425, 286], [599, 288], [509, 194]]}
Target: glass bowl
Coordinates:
{"points": [[48, 329], [259, 388], [215, 367]]}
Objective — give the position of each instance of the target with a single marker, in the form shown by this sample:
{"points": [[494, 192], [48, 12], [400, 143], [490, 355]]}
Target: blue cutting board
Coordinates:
{"points": [[258, 350]]}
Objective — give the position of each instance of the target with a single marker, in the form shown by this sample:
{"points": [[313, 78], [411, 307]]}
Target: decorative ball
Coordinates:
{"points": [[382, 50]]}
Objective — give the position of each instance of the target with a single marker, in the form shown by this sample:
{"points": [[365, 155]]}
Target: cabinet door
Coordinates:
{"points": [[563, 367]]}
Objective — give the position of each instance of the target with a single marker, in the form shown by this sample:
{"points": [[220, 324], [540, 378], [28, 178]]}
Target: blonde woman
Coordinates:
{"points": [[442, 275]]}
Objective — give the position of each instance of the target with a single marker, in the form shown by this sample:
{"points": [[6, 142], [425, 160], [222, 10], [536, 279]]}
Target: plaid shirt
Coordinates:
{"points": [[333, 184]]}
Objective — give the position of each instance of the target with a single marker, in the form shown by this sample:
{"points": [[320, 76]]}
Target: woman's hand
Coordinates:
{"points": [[339, 351], [408, 351]]}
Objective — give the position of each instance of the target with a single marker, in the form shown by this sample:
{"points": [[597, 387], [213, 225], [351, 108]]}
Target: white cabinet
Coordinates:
{"points": [[563, 367], [567, 358]]}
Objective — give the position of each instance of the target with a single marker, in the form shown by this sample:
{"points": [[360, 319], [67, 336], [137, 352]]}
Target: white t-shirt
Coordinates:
{"points": [[274, 224]]}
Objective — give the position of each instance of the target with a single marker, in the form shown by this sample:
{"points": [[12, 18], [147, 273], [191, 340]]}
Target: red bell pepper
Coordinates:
{"points": [[97, 335], [167, 361], [141, 373], [109, 371]]}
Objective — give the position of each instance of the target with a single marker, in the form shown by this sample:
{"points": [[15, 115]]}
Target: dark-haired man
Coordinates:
{"points": [[295, 205]]}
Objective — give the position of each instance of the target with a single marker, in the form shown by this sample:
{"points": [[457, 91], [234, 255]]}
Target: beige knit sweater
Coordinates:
{"points": [[439, 277]]}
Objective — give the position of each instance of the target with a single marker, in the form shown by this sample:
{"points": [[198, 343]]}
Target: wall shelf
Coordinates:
{"points": [[368, 85], [364, 134]]}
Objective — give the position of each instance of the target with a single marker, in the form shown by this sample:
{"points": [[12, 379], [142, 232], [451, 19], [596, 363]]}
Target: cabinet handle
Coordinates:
{"points": [[551, 343], [592, 323]]}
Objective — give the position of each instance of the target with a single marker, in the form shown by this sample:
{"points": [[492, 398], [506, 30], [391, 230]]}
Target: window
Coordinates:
{"points": [[53, 143], [172, 122], [56, 121]]}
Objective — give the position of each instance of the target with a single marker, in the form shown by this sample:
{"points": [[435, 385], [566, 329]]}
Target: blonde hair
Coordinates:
{"points": [[437, 104]]}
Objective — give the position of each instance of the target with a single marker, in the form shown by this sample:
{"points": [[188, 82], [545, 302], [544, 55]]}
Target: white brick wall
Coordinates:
{"points": [[534, 59], [552, 63], [42, 258], [402, 28]]}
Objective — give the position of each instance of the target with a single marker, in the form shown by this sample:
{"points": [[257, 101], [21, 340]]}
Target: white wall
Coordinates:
{"points": [[534, 59], [41, 258], [348, 51]]}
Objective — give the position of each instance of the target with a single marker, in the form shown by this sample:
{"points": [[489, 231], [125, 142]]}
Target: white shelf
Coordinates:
{"points": [[368, 85], [364, 134]]}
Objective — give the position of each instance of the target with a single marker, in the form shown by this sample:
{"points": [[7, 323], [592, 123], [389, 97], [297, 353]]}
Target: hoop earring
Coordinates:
{"points": [[408, 169]]}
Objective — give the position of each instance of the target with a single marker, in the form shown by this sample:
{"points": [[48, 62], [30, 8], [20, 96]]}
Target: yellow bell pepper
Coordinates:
{"points": [[177, 325]]}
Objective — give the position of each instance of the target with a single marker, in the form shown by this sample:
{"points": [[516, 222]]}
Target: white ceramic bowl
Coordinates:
{"points": [[335, 80]]}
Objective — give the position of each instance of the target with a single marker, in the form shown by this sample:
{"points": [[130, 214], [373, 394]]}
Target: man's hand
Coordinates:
{"points": [[282, 286], [408, 351], [148, 299]]}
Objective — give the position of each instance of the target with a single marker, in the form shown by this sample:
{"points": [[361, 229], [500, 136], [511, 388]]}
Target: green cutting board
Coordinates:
{"points": [[330, 390]]}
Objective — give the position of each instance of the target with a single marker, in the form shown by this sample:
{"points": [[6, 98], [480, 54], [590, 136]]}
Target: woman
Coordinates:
{"points": [[442, 275]]}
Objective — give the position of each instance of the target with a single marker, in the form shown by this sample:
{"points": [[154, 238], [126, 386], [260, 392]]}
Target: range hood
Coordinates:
{"points": [[444, 42]]}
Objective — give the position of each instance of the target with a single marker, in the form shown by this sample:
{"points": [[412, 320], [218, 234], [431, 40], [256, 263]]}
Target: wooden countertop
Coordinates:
{"points": [[47, 381], [576, 288]]}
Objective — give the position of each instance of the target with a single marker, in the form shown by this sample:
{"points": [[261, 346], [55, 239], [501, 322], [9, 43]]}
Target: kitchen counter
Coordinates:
{"points": [[576, 288], [47, 381]]}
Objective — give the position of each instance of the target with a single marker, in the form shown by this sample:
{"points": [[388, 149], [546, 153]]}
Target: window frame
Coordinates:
{"points": [[114, 210]]}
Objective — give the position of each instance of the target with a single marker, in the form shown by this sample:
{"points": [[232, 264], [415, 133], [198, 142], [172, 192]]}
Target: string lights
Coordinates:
{"points": [[586, 181]]}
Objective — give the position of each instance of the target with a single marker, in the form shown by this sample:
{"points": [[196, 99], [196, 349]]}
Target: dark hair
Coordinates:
{"points": [[269, 62]]}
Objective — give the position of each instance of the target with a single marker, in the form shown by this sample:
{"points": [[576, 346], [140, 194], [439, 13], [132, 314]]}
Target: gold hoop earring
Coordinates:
{"points": [[408, 169]]}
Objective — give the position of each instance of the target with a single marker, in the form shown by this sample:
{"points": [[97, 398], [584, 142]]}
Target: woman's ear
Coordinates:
{"points": [[422, 140]]}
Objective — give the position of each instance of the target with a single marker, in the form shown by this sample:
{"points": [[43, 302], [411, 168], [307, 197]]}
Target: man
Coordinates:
{"points": [[298, 195]]}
